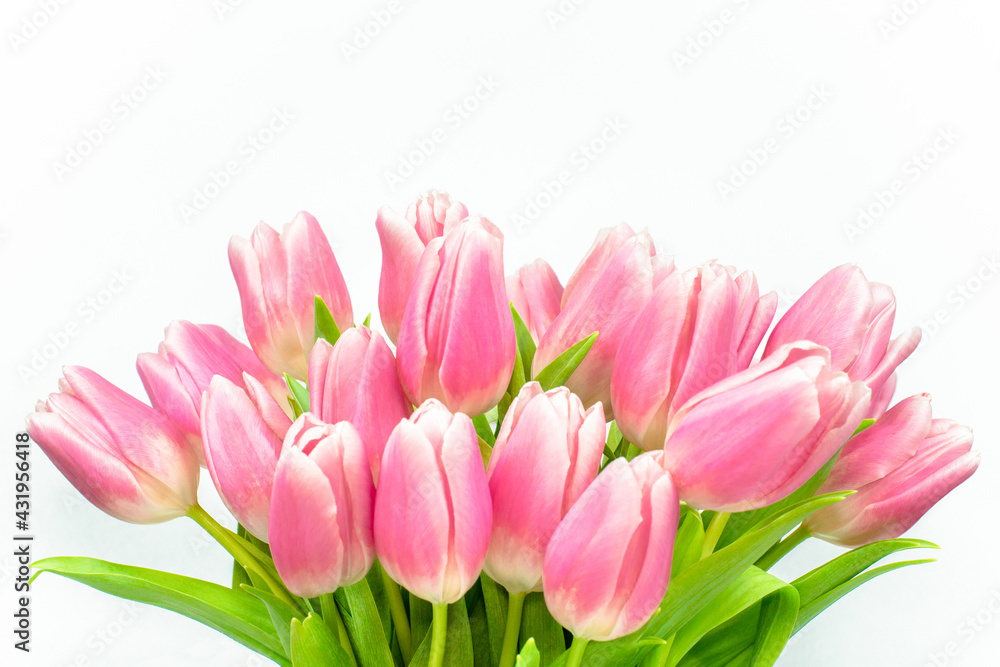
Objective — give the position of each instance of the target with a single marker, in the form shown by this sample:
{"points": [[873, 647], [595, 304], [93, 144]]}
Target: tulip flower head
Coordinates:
{"points": [[536, 293]]}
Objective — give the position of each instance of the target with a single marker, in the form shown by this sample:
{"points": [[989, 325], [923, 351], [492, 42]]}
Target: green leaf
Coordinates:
{"points": [[364, 625], [377, 586], [326, 326], [495, 598], [529, 655], [299, 394], [776, 623], [314, 644], [421, 614], [368, 321], [239, 574], [525, 343], [458, 641], [483, 429], [689, 540], [238, 616], [480, 629], [865, 423], [279, 610], [537, 623], [562, 367], [517, 380]]}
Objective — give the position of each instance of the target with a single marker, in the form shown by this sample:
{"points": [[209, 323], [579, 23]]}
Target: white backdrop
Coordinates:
{"points": [[779, 136]]}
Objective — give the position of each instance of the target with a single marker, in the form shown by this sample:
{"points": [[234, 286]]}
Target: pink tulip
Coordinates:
{"points": [[457, 340], [901, 466], [122, 455], [356, 381], [536, 294], [699, 327], [610, 286], [853, 318], [279, 278], [607, 565], [751, 439], [432, 511], [242, 431], [177, 375], [403, 240], [548, 451], [321, 508]]}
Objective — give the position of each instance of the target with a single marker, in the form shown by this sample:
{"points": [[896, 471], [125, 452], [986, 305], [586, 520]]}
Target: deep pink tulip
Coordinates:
{"points": [[608, 289], [279, 278], [242, 431], [607, 565], [356, 381], [548, 451], [177, 375], [122, 455], [536, 293], [403, 240], [853, 318], [699, 327], [457, 341], [432, 510], [753, 438], [901, 466], [321, 508]]}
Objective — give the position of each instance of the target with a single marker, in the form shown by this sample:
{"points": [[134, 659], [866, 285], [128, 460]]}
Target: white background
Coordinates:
{"points": [[887, 90]]}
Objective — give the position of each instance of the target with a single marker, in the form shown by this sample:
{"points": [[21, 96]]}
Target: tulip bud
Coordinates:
{"points": [[403, 241], [699, 327], [122, 455], [279, 278], [242, 431], [852, 318], [607, 565], [177, 375], [755, 437], [457, 341], [548, 451], [356, 381], [432, 511], [611, 285], [536, 294], [901, 466], [321, 508]]}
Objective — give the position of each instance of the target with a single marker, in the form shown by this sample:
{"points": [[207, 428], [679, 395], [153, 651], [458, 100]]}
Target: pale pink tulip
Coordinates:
{"points": [[548, 451], [457, 341], [356, 381], [432, 510], [536, 293], [177, 375], [242, 431], [751, 439], [279, 278], [123, 456], [321, 508], [607, 566], [403, 240], [853, 318], [699, 327], [901, 466]]}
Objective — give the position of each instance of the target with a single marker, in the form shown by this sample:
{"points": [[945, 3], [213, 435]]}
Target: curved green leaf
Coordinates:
{"points": [[557, 372], [537, 623], [529, 655], [326, 326], [458, 641], [314, 645], [525, 343], [364, 624]]}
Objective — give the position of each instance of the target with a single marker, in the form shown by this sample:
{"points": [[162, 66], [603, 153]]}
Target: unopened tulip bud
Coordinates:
{"points": [[536, 293]]}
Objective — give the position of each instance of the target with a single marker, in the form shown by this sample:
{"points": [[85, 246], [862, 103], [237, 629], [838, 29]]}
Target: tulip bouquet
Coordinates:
{"points": [[595, 474]]}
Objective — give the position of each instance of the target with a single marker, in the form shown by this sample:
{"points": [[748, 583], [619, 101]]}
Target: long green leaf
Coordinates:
{"points": [[480, 629], [364, 625], [537, 623], [281, 614], [326, 326], [458, 641], [529, 655], [525, 343], [495, 598], [689, 540], [562, 367], [235, 614], [299, 394], [314, 645]]}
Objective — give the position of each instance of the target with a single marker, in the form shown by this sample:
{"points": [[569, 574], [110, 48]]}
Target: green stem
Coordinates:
{"points": [[714, 532], [232, 545], [398, 612], [660, 655], [783, 548], [331, 615], [575, 656], [439, 630], [515, 603]]}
